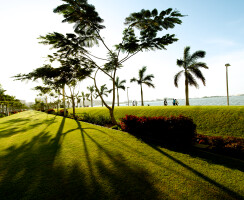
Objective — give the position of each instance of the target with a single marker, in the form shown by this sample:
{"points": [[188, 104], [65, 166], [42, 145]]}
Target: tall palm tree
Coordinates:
{"points": [[91, 90], [119, 85], [143, 79], [103, 92], [191, 67]]}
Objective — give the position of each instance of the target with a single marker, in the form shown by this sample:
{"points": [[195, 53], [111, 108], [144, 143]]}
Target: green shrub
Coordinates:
{"points": [[174, 131], [2, 115]]}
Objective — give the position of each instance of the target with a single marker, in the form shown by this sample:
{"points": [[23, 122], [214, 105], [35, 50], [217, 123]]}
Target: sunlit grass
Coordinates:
{"points": [[50, 157], [210, 120]]}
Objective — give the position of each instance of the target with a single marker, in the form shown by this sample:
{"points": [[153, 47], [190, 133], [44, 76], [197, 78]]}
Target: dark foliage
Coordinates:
{"points": [[227, 145], [2, 115], [50, 111], [61, 112], [174, 131]]}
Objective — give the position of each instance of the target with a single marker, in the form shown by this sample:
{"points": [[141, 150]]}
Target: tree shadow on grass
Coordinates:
{"points": [[125, 181], [211, 158], [13, 130], [28, 171], [229, 192]]}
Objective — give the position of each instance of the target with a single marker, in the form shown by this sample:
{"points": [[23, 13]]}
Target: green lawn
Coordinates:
{"points": [[50, 157], [210, 120]]}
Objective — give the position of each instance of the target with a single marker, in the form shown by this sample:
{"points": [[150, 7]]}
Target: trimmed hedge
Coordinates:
{"points": [[174, 131], [61, 112], [50, 111], [233, 146]]}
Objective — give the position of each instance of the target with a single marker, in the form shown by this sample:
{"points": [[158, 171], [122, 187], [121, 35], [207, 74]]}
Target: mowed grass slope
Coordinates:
{"points": [[50, 157], [210, 120]]}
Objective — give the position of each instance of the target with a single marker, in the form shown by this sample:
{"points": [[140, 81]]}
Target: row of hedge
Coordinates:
{"points": [[11, 113], [174, 131], [210, 120], [168, 131], [233, 146]]}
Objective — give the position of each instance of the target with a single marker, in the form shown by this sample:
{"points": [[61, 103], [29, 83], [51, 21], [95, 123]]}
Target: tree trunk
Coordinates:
{"points": [[111, 112], [73, 105], [46, 103], [64, 102], [142, 103], [91, 101], [187, 92], [117, 96]]}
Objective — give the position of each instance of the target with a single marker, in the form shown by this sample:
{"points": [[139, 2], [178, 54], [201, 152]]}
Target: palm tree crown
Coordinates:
{"points": [[103, 91], [191, 68], [143, 79]]}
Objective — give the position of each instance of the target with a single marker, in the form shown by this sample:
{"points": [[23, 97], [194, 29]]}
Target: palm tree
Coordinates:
{"points": [[83, 98], [103, 92], [143, 79], [91, 90], [119, 85], [191, 67]]}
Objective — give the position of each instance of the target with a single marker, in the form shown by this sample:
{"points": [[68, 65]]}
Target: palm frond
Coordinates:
{"points": [[141, 72], [198, 54], [201, 64], [149, 84], [198, 74], [133, 80], [191, 80], [179, 62], [186, 53], [148, 77], [177, 77]]}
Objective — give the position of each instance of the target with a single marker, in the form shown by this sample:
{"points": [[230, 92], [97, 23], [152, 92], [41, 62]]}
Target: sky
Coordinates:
{"points": [[215, 26]]}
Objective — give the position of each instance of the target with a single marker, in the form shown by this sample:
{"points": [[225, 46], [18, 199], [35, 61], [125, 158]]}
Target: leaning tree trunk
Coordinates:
{"points": [[187, 92], [142, 103]]}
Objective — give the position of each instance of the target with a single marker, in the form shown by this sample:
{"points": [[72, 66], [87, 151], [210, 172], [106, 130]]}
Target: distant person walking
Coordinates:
{"points": [[176, 102], [173, 102], [165, 102]]}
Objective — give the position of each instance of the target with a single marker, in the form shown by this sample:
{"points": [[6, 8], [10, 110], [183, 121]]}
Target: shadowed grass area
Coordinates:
{"points": [[50, 157], [210, 120]]}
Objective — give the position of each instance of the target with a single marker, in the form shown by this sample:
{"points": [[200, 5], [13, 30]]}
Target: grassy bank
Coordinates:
{"points": [[50, 157], [210, 120]]}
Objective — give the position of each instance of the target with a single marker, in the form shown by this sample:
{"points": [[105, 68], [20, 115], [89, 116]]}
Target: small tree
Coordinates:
{"points": [[88, 25], [143, 79]]}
